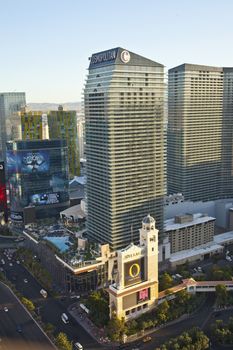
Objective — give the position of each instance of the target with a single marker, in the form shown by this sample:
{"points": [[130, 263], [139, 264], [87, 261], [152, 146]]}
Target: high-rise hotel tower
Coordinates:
{"points": [[200, 132], [10, 124], [124, 97]]}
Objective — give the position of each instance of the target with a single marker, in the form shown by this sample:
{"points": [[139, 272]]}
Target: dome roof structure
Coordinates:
{"points": [[148, 220]]}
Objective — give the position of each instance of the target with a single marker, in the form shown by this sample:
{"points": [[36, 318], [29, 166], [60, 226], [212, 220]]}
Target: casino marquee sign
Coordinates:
{"points": [[133, 272]]}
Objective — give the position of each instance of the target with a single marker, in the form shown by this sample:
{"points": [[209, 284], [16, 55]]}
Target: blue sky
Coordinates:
{"points": [[45, 44]]}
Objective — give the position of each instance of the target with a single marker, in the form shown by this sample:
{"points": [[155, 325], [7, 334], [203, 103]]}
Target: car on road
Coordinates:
{"points": [[19, 329], [18, 262], [3, 262], [10, 264], [75, 297], [5, 308], [25, 280], [65, 318], [146, 339], [43, 293], [78, 346]]}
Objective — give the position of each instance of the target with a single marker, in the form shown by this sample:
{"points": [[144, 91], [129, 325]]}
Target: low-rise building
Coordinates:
{"points": [[196, 254], [189, 231]]}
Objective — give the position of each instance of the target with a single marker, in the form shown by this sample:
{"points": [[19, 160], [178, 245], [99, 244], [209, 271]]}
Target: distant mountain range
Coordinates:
{"points": [[45, 107]]}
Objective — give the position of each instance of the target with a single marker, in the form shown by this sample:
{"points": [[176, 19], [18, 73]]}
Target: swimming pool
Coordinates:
{"points": [[59, 242]]}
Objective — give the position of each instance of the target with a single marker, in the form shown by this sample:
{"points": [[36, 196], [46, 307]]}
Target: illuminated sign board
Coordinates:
{"points": [[132, 255], [45, 198], [133, 272], [143, 295], [27, 162], [104, 57]]}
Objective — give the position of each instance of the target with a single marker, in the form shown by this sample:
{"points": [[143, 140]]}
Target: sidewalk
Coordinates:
{"points": [[98, 334]]}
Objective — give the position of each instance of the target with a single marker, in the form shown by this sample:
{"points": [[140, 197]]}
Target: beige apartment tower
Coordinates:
{"points": [[200, 126]]}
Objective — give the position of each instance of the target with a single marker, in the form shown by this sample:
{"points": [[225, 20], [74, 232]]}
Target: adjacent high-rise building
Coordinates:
{"points": [[81, 136], [124, 101], [10, 124], [200, 129], [32, 126], [227, 134], [37, 178], [63, 125]]}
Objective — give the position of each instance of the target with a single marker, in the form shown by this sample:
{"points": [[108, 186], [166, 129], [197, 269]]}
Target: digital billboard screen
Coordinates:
{"points": [[143, 295], [27, 162], [45, 198], [133, 272]]}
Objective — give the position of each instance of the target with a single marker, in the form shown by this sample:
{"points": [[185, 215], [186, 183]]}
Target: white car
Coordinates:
{"points": [[78, 346], [10, 264], [5, 309], [25, 280], [18, 262]]}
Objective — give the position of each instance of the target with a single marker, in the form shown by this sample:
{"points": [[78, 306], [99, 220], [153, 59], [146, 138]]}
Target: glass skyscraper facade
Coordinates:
{"points": [[10, 124], [63, 124], [38, 176], [124, 101], [200, 130], [32, 125]]}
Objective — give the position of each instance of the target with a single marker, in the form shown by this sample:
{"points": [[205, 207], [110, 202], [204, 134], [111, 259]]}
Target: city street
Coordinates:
{"points": [[176, 329], [17, 328], [50, 309]]}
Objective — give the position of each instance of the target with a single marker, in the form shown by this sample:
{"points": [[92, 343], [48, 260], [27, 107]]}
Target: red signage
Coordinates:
{"points": [[143, 294]]}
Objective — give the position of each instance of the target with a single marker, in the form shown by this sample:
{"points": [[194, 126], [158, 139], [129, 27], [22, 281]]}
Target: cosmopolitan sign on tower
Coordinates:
{"points": [[103, 57]]}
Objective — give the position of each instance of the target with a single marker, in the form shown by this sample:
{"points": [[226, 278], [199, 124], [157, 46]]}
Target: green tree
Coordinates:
{"points": [[221, 294], [182, 297], [28, 303], [62, 342], [165, 281], [49, 328], [115, 328], [162, 312], [99, 308]]}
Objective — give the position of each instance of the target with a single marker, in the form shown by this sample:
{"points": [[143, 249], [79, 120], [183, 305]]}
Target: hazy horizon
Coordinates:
{"points": [[46, 44]]}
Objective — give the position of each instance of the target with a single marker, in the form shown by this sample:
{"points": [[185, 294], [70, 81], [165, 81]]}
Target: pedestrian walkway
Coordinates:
{"points": [[82, 318]]}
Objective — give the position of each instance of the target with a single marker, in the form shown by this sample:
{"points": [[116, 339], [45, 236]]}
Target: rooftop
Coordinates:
{"points": [[223, 237], [204, 249], [73, 251], [198, 218]]}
